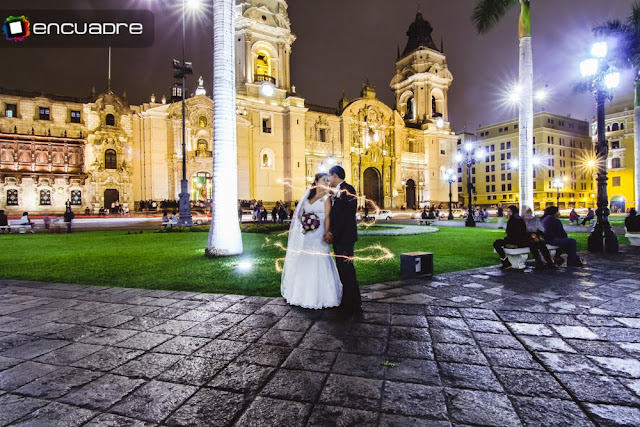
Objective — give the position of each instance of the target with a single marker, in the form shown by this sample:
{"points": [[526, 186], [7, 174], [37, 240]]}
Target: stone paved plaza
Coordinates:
{"points": [[478, 347]]}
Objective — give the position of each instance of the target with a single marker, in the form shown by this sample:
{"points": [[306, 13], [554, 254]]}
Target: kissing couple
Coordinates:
{"points": [[325, 215]]}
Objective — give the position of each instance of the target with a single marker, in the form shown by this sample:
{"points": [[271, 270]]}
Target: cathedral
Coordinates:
{"points": [[99, 150]]}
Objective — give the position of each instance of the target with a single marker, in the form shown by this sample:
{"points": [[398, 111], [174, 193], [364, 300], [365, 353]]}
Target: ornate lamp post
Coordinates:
{"points": [[181, 69], [450, 176], [603, 78], [468, 158]]}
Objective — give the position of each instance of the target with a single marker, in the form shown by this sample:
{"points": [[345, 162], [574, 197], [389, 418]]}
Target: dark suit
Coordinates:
{"points": [[516, 235], [345, 235]]}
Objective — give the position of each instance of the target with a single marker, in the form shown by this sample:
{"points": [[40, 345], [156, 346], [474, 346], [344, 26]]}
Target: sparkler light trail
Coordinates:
{"points": [[384, 255]]}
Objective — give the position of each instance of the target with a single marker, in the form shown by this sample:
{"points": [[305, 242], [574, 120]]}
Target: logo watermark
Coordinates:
{"points": [[78, 28], [16, 28]]}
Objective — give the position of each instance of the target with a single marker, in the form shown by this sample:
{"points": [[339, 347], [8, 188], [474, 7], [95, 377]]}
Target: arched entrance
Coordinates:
{"points": [[618, 204], [373, 186], [111, 196], [411, 194]]}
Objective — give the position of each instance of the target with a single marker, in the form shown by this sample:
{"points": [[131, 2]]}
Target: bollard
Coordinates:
{"points": [[416, 265]]}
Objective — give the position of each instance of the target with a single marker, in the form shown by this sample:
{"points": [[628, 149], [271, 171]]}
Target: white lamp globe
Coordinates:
{"points": [[440, 122], [458, 157], [599, 50], [612, 80], [468, 146], [589, 67]]}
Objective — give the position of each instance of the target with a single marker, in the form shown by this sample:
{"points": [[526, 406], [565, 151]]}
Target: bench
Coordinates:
{"points": [[169, 224], [634, 237], [518, 256], [425, 221], [22, 229], [5, 227]]}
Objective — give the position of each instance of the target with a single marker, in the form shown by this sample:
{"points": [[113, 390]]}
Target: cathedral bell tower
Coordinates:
{"points": [[422, 77], [263, 47]]}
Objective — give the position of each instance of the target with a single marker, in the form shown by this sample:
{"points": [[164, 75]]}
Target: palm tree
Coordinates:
{"points": [[486, 15], [224, 237], [626, 54]]}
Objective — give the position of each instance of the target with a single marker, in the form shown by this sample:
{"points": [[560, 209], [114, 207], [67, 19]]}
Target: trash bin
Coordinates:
{"points": [[416, 265]]}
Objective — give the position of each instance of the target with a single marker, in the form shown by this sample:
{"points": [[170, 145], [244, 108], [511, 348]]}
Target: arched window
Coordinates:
{"points": [[410, 110], [110, 159], [614, 127], [621, 126], [608, 128], [110, 120], [263, 65], [267, 159], [202, 122]]}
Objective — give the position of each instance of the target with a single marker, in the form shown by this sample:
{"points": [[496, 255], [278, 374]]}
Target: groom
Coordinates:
{"points": [[343, 234]]}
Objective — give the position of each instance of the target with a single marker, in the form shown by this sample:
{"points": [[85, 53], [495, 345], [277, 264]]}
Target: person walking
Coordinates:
{"points": [[556, 236], [68, 217], [46, 220]]}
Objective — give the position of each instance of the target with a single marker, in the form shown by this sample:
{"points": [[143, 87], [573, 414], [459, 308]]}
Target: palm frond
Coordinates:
{"points": [[633, 22], [610, 28], [488, 13]]}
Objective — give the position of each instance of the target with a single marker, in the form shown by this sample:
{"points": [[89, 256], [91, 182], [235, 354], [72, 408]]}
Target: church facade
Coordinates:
{"points": [[100, 150]]}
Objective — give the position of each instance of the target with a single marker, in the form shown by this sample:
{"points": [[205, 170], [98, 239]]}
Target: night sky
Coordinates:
{"points": [[340, 42]]}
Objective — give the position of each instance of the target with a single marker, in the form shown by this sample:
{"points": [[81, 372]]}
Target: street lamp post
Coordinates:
{"points": [[557, 183], [182, 68], [450, 177], [603, 78], [469, 159]]}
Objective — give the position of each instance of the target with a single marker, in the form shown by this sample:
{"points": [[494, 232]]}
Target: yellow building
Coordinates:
{"points": [[562, 147], [101, 150], [620, 163]]}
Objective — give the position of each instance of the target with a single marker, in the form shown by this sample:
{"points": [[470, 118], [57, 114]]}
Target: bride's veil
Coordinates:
{"points": [[296, 237]]}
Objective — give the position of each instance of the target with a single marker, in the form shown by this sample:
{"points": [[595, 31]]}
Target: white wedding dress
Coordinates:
{"points": [[310, 278]]}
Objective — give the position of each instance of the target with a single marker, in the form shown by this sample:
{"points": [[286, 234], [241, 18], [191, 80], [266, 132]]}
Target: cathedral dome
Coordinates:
{"points": [[419, 35]]}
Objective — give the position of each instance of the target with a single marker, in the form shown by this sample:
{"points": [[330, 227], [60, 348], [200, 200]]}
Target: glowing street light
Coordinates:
{"points": [[599, 50], [612, 80], [589, 67], [541, 95]]}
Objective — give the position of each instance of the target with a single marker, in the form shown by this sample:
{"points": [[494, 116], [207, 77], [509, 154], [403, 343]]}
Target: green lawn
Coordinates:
{"points": [[176, 261]]}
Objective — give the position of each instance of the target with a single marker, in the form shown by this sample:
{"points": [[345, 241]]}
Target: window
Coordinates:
{"points": [[202, 122], [266, 125], [12, 197], [76, 197], [502, 145], [615, 163], [503, 187], [508, 145], [493, 188], [263, 64], [75, 116], [493, 168], [488, 187], [493, 157], [615, 145], [202, 148], [110, 159], [11, 111], [508, 187], [509, 176], [615, 127], [45, 197], [615, 181], [621, 126], [487, 178], [486, 168], [502, 177], [44, 113], [323, 135], [110, 120], [502, 156], [493, 178]]}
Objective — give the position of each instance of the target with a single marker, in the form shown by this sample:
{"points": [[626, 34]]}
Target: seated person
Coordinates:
{"points": [[165, 217], [631, 222], [556, 236], [173, 219], [485, 215], [25, 220], [516, 236], [589, 217], [535, 234], [573, 217], [4, 222]]}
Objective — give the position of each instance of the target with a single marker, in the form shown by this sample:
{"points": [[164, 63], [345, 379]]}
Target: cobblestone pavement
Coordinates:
{"points": [[479, 347]]}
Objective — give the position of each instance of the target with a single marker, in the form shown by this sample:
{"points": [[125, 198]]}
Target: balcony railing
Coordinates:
{"points": [[265, 78]]}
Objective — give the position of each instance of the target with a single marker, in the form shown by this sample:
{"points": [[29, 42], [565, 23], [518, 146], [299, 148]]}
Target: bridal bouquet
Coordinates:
{"points": [[310, 222]]}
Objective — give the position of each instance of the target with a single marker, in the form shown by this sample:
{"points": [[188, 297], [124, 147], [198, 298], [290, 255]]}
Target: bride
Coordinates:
{"points": [[310, 277]]}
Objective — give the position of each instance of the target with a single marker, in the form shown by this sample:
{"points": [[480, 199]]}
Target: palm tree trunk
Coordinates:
{"points": [[526, 107], [224, 237], [636, 143]]}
